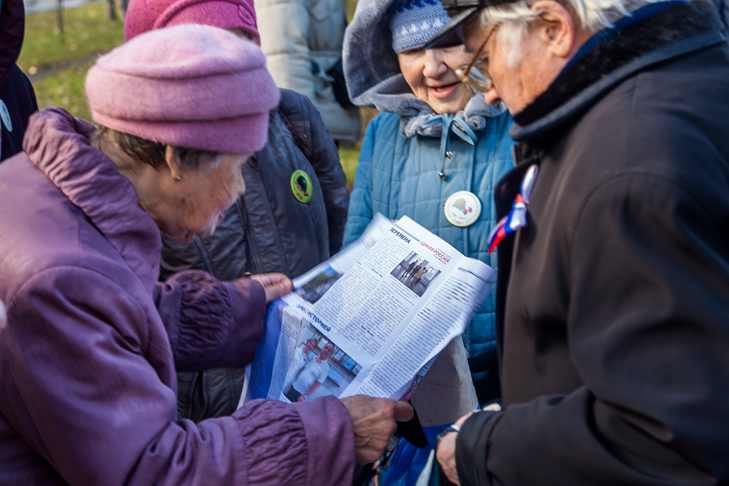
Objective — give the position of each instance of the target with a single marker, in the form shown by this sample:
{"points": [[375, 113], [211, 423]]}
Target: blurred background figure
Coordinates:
{"points": [[302, 40], [17, 99]]}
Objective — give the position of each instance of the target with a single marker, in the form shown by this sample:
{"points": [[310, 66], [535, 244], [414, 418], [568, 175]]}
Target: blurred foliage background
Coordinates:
{"points": [[57, 63]]}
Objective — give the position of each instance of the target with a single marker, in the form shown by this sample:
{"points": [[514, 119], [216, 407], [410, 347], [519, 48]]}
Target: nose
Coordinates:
{"points": [[434, 66]]}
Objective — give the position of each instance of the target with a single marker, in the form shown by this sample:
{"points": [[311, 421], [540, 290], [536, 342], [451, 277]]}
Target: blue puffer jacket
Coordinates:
{"points": [[398, 176]]}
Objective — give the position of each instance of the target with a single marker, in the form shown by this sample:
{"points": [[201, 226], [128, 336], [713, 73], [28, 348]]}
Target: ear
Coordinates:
{"points": [[557, 28], [173, 163]]}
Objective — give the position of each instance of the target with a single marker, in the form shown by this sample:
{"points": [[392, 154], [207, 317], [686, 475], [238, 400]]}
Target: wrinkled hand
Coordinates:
{"points": [[274, 284], [374, 422], [446, 453]]}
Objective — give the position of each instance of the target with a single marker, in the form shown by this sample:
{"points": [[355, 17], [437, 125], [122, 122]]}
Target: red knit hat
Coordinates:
{"points": [[145, 15]]}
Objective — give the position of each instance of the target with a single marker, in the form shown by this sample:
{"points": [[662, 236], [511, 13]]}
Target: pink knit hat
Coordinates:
{"points": [[145, 15], [190, 86]]}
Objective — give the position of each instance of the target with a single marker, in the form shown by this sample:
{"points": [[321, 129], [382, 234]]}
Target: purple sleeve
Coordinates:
{"points": [[89, 393], [327, 432], [211, 324]]}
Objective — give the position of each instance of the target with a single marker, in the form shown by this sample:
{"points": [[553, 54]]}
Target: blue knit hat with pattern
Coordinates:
{"points": [[414, 23]]}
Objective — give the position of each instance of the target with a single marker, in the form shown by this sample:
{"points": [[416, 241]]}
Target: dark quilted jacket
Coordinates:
{"points": [[267, 230]]}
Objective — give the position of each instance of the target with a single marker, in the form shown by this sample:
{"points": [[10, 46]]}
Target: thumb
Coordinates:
{"points": [[281, 282], [270, 279], [276, 285], [403, 411], [265, 279], [275, 278]]}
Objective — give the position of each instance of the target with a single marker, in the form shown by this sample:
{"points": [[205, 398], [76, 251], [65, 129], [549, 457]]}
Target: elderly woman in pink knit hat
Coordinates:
{"points": [[87, 362], [291, 217]]}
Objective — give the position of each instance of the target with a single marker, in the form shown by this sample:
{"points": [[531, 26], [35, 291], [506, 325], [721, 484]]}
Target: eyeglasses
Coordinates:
{"points": [[475, 74]]}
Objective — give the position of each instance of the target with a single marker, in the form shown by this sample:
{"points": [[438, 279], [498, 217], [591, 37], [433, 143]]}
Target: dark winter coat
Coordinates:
{"points": [[613, 313], [17, 99], [268, 230], [92, 342]]}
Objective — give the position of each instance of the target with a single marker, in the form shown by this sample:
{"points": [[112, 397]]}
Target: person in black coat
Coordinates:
{"points": [[17, 99], [613, 292]]}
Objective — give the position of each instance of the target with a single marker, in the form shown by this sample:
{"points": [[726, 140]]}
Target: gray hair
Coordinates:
{"points": [[153, 153], [591, 15]]}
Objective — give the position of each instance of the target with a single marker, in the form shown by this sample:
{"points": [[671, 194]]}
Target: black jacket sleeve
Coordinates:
{"points": [[648, 333], [17, 94]]}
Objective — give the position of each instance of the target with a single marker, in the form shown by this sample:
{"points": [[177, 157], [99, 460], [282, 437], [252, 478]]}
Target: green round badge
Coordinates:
{"points": [[301, 186]]}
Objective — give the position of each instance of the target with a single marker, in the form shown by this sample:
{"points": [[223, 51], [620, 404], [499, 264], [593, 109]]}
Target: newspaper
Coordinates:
{"points": [[370, 320]]}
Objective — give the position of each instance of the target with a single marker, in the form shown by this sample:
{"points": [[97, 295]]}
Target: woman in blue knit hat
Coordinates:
{"points": [[434, 153]]}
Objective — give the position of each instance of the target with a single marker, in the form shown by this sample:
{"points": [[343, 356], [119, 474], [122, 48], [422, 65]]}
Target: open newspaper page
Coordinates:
{"points": [[371, 319]]}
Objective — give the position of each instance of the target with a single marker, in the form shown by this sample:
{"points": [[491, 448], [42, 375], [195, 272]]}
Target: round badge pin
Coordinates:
{"points": [[301, 186], [462, 208], [5, 117]]}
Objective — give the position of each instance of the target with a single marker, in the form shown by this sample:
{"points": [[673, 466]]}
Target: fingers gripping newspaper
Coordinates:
{"points": [[370, 320]]}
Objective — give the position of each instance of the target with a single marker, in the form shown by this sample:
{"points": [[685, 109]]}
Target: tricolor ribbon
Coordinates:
{"points": [[516, 219]]}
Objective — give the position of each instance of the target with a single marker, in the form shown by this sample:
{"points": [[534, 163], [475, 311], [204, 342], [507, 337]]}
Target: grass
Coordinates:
{"points": [[351, 6], [88, 31], [349, 158], [65, 88]]}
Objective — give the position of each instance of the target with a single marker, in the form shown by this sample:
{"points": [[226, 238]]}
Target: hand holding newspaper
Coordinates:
{"points": [[370, 320]]}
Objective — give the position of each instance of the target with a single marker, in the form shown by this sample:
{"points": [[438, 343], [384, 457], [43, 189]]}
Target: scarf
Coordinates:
{"points": [[464, 124]]}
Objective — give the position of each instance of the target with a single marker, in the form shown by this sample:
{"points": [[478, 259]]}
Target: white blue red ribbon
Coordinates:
{"points": [[517, 216]]}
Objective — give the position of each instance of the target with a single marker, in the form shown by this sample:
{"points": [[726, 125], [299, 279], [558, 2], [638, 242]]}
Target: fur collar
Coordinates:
{"points": [[651, 34]]}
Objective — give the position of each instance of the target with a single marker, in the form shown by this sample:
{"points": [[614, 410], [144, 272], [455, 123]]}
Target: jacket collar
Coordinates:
{"points": [[652, 34], [58, 145]]}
